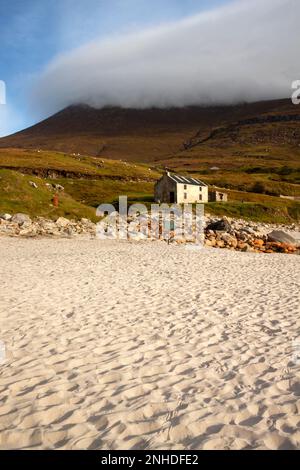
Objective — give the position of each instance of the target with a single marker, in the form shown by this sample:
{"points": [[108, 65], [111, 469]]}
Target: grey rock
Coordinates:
{"points": [[87, 224], [47, 227], [22, 220], [229, 239], [248, 230], [243, 236], [282, 237], [69, 231], [220, 226]]}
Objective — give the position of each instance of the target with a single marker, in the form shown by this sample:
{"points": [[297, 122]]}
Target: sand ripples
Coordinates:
{"points": [[123, 346]]}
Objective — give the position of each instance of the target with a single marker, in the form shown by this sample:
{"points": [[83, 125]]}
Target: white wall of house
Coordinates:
{"points": [[169, 191], [191, 194]]}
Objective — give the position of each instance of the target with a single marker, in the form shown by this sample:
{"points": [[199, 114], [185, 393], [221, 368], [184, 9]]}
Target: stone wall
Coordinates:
{"points": [[163, 188], [217, 196]]}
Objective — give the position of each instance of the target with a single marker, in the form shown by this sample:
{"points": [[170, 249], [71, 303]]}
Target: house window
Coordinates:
{"points": [[200, 197], [185, 187], [185, 195], [200, 189]]}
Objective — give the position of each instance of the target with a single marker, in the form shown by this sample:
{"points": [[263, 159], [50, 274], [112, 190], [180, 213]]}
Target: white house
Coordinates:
{"points": [[175, 189]]}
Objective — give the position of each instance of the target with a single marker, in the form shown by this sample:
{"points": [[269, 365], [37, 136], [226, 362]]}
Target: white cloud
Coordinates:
{"points": [[243, 52]]}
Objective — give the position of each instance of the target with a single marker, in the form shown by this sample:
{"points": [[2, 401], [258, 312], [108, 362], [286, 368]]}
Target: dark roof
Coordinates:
{"points": [[186, 180]]}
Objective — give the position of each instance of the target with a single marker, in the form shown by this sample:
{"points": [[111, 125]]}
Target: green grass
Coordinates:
{"points": [[82, 197], [96, 192], [241, 166], [116, 178], [257, 212], [82, 165], [257, 207], [16, 195], [247, 183]]}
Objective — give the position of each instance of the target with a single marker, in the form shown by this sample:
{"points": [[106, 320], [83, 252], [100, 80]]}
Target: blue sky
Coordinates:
{"points": [[33, 32]]}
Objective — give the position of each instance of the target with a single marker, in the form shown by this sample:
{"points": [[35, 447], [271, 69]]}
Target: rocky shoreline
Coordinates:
{"points": [[252, 237], [222, 233], [21, 225]]}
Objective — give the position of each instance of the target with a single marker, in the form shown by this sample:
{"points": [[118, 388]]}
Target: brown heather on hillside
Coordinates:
{"points": [[158, 134]]}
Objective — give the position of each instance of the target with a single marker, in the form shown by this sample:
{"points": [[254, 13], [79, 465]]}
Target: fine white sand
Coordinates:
{"points": [[114, 345]]}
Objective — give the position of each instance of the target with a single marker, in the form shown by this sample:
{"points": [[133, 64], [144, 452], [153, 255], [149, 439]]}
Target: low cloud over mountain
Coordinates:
{"points": [[246, 51]]}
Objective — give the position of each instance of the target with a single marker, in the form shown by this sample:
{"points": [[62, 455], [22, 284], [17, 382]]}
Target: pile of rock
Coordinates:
{"points": [[250, 237], [21, 225], [224, 233]]}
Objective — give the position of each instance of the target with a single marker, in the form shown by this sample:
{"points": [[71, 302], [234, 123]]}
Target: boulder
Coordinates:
{"points": [[69, 231], [243, 236], [210, 232], [279, 236], [85, 221], [5, 217], [28, 231], [33, 184], [247, 249], [86, 226], [220, 226], [47, 227], [211, 239], [289, 248], [248, 230], [258, 242], [229, 240], [62, 222], [22, 220]]}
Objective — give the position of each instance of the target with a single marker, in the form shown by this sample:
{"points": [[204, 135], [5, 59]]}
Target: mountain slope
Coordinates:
{"points": [[155, 134], [251, 150]]}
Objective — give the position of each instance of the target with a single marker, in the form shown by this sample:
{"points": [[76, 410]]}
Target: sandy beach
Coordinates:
{"points": [[113, 345]]}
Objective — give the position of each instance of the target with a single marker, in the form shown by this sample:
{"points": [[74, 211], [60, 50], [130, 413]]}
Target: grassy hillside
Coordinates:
{"points": [[81, 198], [80, 166], [251, 150], [87, 182], [257, 207], [17, 195]]}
